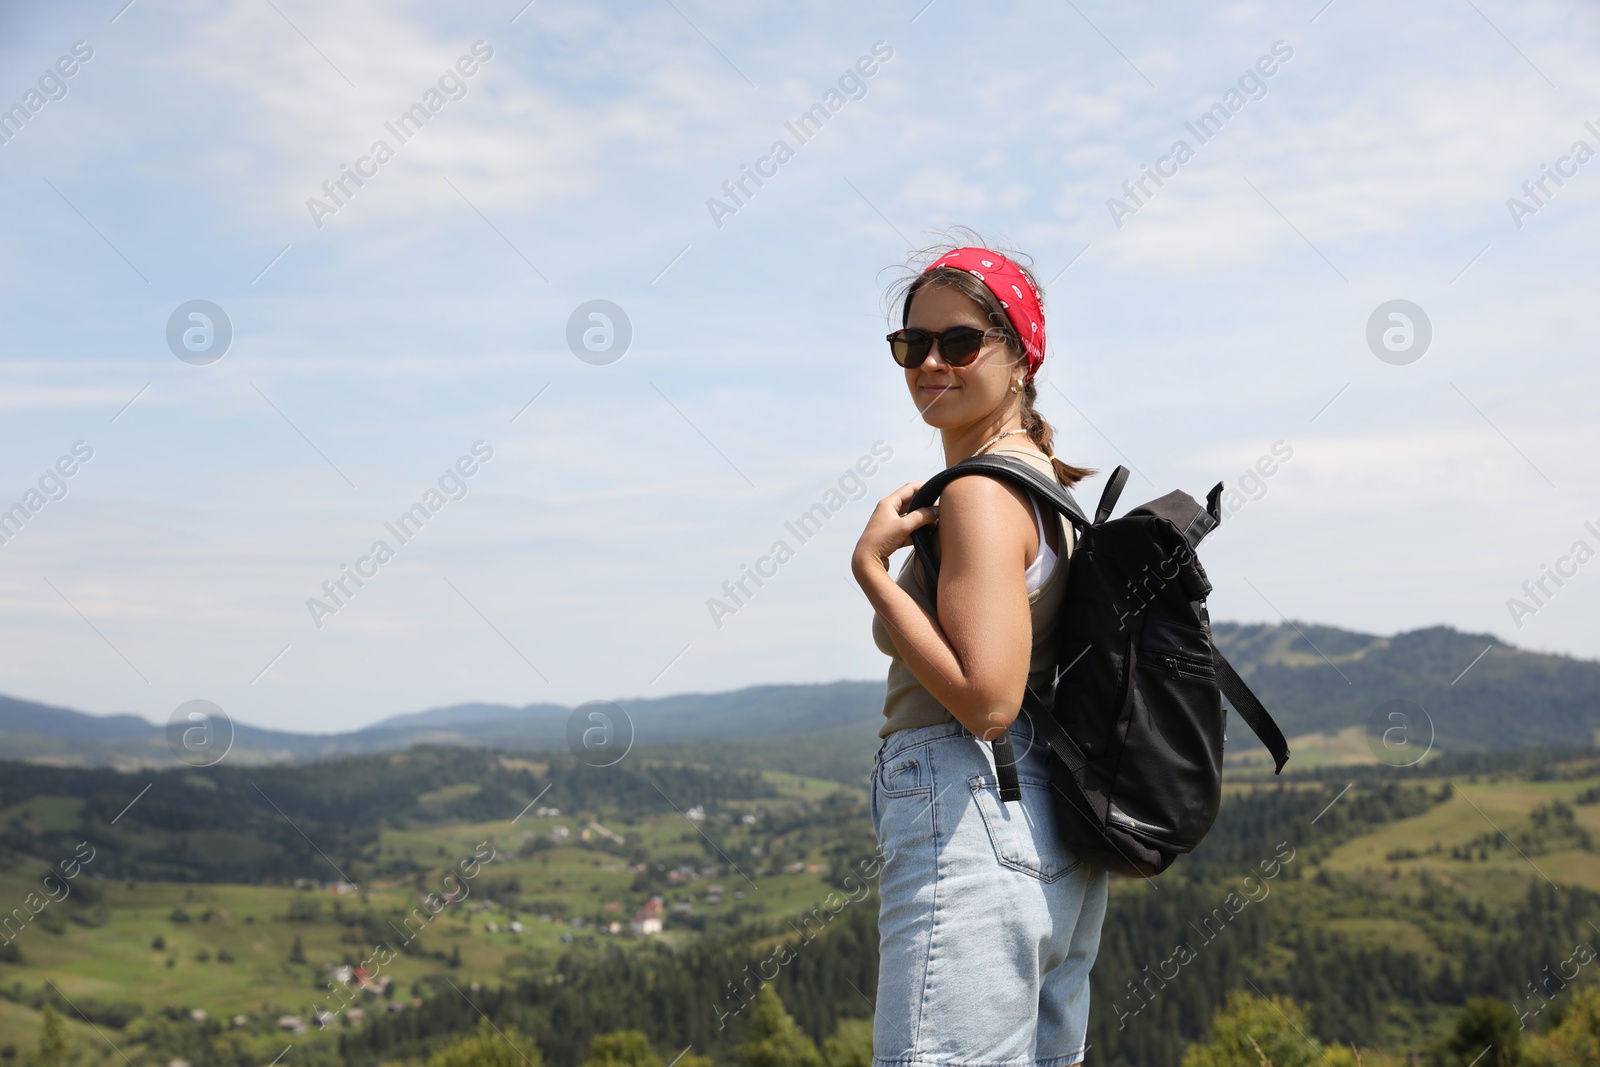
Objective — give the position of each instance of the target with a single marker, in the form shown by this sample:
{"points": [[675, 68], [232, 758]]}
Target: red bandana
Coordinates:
{"points": [[1014, 291]]}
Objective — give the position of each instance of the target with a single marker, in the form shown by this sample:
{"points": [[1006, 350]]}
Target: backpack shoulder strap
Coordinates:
{"points": [[1005, 768], [1006, 469], [925, 541], [1251, 710], [1015, 471]]}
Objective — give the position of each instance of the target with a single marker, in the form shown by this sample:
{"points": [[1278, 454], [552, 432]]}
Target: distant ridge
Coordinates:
{"points": [[22, 717], [1479, 692], [46, 734]]}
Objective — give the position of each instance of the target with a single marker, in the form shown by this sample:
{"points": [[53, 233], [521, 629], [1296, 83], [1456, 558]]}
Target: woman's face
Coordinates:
{"points": [[953, 397]]}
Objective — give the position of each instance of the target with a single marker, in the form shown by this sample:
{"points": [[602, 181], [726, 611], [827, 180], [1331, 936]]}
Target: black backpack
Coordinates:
{"points": [[1135, 719]]}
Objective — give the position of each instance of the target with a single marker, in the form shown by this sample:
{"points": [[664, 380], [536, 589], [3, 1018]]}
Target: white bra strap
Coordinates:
{"points": [[1038, 522]]}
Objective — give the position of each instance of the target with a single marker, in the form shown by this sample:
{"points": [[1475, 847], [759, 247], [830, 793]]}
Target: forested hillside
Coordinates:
{"points": [[213, 915], [1479, 693], [1321, 678]]}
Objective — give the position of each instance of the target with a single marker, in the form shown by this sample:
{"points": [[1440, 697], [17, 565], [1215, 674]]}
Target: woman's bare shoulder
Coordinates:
{"points": [[984, 505]]}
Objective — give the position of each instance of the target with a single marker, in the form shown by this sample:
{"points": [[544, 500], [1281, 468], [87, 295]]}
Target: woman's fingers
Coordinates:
{"points": [[891, 525], [902, 496]]}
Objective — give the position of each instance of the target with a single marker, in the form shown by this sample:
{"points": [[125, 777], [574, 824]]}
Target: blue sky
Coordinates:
{"points": [[1224, 315]]}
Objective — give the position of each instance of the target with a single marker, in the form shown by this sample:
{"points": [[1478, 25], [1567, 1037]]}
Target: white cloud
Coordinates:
{"points": [[1196, 336]]}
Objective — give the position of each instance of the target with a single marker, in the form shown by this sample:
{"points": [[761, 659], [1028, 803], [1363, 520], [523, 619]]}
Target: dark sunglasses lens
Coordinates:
{"points": [[909, 347], [959, 345]]}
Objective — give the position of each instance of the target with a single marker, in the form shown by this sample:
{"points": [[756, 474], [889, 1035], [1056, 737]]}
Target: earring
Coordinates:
{"points": [[1016, 387]]}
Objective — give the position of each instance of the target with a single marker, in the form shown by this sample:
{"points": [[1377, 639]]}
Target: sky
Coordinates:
{"points": [[386, 338]]}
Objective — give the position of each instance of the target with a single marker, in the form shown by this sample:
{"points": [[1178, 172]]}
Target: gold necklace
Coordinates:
{"points": [[995, 438]]}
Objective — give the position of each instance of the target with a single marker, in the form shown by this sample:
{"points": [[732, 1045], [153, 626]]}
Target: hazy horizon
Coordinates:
{"points": [[623, 701]]}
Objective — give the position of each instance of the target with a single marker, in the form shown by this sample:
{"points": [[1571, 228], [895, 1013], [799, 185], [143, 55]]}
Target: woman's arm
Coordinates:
{"points": [[974, 657]]}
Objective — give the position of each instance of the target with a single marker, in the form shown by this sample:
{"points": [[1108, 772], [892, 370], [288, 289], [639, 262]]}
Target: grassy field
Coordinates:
{"points": [[1396, 855], [1329, 748], [266, 950]]}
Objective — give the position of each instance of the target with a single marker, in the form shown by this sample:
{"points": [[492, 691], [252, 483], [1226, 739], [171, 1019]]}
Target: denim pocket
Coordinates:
{"points": [[872, 793], [1023, 833], [905, 774]]}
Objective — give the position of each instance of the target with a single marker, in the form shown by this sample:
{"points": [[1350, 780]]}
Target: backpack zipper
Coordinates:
{"points": [[1185, 667]]}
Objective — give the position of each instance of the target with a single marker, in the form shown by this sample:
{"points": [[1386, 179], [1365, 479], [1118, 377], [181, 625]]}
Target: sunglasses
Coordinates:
{"points": [[958, 346]]}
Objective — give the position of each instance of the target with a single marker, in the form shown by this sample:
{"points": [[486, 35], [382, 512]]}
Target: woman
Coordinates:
{"points": [[988, 925]]}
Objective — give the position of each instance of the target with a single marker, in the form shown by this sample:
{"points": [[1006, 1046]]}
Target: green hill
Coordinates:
{"points": [[1318, 678], [1479, 692], [1380, 899]]}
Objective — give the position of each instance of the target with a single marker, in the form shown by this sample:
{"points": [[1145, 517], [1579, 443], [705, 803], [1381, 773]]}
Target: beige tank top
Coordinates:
{"points": [[906, 703]]}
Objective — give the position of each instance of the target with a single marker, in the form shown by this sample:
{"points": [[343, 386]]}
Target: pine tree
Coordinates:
{"points": [[850, 1045], [624, 1048], [1575, 1040], [1251, 1031], [775, 1039], [297, 952], [489, 1047], [53, 1041], [1485, 1023]]}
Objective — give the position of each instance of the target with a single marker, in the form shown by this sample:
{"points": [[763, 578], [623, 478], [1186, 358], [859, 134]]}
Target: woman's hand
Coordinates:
{"points": [[889, 529], [974, 652]]}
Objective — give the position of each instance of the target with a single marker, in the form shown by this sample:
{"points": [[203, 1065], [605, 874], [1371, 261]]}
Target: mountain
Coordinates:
{"points": [[45, 734], [1478, 692], [22, 717], [457, 715]]}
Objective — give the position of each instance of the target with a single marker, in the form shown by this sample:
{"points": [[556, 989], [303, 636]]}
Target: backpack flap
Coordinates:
{"points": [[1193, 523], [1184, 512]]}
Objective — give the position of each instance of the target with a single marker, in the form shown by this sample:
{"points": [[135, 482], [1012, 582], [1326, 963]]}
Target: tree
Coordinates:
{"points": [[850, 1045], [1252, 1031], [776, 1040], [52, 1041], [624, 1048], [297, 951], [1483, 1024], [489, 1047], [1575, 1040]]}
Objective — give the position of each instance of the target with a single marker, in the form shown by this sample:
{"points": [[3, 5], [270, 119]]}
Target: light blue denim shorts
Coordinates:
{"points": [[988, 925]]}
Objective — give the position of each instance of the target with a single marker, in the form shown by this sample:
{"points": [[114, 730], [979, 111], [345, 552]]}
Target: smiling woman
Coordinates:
{"points": [[989, 923]]}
